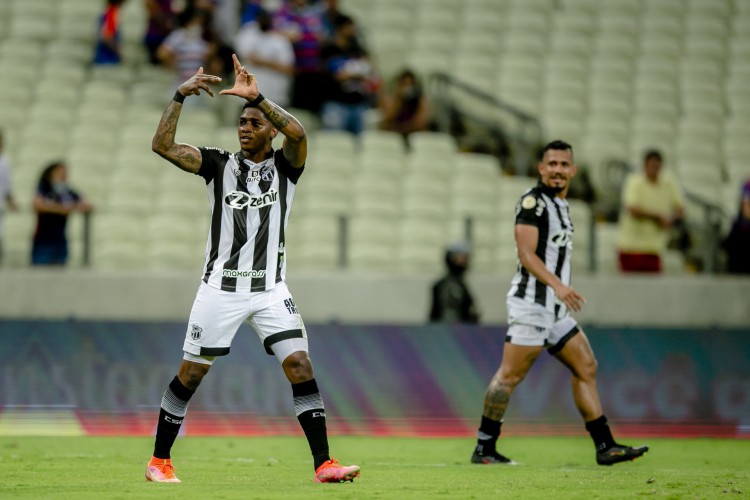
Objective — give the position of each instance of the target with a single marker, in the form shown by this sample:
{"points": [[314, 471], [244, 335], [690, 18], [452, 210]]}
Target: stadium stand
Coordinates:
{"points": [[613, 77]]}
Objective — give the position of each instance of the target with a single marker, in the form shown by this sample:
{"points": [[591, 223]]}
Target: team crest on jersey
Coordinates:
{"points": [[195, 331], [267, 172]]}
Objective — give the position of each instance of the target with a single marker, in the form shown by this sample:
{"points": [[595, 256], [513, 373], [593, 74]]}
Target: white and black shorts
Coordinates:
{"points": [[217, 315], [533, 325]]}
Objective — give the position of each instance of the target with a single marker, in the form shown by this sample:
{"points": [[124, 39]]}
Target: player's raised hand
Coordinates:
{"points": [[245, 85], [197, 82], [568, 296]]}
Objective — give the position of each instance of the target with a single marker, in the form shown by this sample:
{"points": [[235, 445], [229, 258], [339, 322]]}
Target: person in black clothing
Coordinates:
{"points": [[352, 79], [737, 242], [451, 300], [54, 201]]}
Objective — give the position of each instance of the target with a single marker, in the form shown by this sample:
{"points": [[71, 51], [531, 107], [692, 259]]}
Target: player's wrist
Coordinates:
{"points": [[256, 102], [179, 96]]}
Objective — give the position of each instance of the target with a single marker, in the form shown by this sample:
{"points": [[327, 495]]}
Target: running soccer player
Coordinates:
{"points": [[251, 193], [538, 302]]}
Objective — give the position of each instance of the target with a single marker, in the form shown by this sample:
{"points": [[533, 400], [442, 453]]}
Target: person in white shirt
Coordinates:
{"points": [[269, 56]]}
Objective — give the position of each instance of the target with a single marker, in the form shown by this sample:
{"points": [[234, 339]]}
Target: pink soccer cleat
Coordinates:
{"points": [[333, 472]]}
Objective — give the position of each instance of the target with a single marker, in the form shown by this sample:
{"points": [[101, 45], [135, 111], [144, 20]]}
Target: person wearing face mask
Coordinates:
{"points": [[269, 56], [406, 109], [53, 203], [352, 78], [451, 300]]}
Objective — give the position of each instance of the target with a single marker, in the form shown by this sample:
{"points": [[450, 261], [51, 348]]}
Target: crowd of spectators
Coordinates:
{"points": [[308, 54]]}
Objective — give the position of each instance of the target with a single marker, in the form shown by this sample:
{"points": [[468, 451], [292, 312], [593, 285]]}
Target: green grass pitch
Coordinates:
{"points": [[399, 468]]}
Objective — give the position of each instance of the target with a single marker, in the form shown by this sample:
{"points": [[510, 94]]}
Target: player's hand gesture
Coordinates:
{"points": [[197, 82], [568, 296], [245, 85]]}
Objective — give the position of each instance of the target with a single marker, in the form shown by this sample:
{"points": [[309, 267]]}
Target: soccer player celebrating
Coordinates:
{"points": [[538, 302], [250, 193]]}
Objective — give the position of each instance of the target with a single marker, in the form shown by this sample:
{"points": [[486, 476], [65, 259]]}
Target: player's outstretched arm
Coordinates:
{"points": [[185, 156], [295, 140], [527, 237]]}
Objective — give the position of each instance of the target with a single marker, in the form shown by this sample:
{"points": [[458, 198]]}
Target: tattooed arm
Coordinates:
{"points": [[185, 156], [295, 141]]}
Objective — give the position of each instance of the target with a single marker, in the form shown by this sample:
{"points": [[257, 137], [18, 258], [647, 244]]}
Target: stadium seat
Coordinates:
{"points": [[37, 28], [606, 247], [165, 255], [18, 232]]}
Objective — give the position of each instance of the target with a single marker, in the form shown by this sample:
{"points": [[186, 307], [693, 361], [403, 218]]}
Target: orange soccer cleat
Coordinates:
{"points": [[160, 470], [333, 472]]}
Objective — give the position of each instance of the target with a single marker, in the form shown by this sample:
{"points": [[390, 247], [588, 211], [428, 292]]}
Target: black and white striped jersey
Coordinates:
{"points": [[250, 206], [551, 215]]}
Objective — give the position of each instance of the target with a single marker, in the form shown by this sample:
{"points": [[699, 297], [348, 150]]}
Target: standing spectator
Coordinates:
{"points": [[159, 24], [406, 110], [54, 201], [185, 49], [107, 50], [269, 56], [352, 80], [300, 22], [6, 190], [737, 243], [652, 204], [451, 300]]}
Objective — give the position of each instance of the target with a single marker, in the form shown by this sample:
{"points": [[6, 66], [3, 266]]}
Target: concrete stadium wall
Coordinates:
{"points": [[689, 301]]}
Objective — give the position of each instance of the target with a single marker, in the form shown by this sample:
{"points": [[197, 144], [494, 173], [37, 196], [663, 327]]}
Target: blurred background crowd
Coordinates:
{"points": [[425, 118]]}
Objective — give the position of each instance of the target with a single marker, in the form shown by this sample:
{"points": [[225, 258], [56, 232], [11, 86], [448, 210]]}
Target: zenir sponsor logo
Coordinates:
{"points": [[562, 238], [239, 200]]}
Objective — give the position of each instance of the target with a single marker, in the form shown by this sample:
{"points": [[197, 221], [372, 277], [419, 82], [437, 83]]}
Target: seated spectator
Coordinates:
{"points": [[299, 21], [737, 243], [185, 49], [108, 50], [352, 79], [54, 201], [405, 109], [652, 204], [269, 56], [6, 191], [451, 300], [159, 24]]}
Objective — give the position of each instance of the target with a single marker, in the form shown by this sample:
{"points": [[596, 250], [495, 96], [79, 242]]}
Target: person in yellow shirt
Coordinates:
{"points": [[652, 204]]}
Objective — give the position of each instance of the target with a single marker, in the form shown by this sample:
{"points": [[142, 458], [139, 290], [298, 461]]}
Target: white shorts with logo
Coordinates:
{"points": [[533, 325], [217, 315]]}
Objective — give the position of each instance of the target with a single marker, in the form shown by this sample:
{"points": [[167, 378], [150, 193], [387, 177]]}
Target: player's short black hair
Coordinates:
{"points": [[652, 154], [556, 145]]}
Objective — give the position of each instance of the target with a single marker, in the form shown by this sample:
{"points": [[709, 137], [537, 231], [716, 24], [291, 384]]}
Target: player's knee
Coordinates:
{"points": [[298, 367], [191, 374], [509, 378], [588, 369]]}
